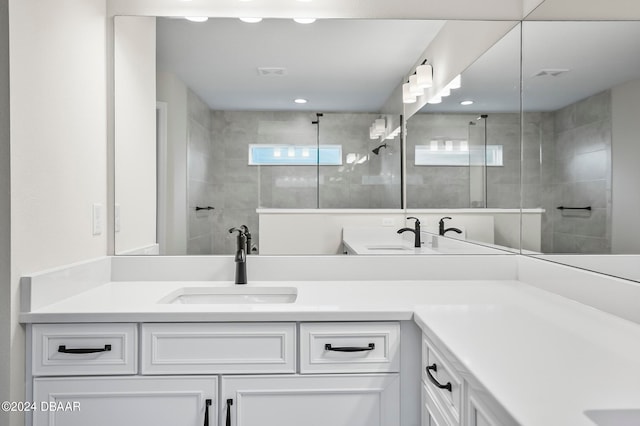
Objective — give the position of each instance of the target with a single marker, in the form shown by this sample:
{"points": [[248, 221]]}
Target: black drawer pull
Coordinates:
{"points": [[434, 367], [328, 347], [63, 349], [229, 404], [208, 403]]}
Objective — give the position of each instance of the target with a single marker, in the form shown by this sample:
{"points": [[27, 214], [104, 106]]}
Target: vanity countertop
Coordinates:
{"points": [[545, 358]]}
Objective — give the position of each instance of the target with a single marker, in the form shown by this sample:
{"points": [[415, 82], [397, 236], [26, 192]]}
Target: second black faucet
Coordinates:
{"points": [[416, 230]]}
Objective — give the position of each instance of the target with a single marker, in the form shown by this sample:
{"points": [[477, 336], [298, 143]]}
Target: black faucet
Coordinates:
{"points": [[416, 231], [241, 256], [247, 234], [443, 231]]}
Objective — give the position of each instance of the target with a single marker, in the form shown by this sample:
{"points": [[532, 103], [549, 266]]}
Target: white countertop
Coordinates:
{"points": [[545, 358]]}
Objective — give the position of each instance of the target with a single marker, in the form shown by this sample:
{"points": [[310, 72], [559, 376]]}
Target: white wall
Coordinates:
{"points": [[625, 153], [58, 106], [5, 212], [173, 91], [134, 131]]}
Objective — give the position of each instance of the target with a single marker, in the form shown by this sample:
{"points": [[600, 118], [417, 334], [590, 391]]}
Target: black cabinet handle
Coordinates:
{"points": [[433, 380], [370, 347], [229, 404], [208, 403], [63, 349]]}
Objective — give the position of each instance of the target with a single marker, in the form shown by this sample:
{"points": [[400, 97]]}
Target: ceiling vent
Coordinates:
{"points": [[272, 72], [551, 72]]}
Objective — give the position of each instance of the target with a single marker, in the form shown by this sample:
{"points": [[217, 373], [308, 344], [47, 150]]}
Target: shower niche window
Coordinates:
{"points": [[456, 153], [292, 155]]}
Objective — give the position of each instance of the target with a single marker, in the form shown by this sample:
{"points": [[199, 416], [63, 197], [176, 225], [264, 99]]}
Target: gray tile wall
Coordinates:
{"points": [[575, 171], [237, 189], [201, 177]]}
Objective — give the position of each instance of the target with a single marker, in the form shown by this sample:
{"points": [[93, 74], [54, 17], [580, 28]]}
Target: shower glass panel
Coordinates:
{"points": [[478, 162]]}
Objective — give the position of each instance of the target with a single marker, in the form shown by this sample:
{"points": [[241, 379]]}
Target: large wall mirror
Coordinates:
{"points": [[221, 139], [581, 142]]}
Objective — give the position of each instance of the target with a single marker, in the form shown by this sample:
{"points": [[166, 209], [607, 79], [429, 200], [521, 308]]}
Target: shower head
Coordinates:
{"points": [[376, 151]]}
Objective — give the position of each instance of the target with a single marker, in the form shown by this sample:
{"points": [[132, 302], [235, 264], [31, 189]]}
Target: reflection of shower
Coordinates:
{"points": [[376, 151], [478, 161]]}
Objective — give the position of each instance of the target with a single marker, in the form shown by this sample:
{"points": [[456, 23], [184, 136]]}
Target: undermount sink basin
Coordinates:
{"points": [[388, 247], [232, 295]]}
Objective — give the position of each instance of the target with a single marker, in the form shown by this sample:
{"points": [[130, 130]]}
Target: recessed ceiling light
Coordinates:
{"points": [[196, 18], [466, 103], [300, 101], [251, 20], [305, 20]]}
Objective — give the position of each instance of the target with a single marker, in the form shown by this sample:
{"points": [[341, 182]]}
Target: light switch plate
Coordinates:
{"points": [[97, 219], [116, 218], [388, 221]]}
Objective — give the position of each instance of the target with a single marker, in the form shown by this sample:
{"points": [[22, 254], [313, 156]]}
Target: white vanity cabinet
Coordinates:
{"points": [[452, 397], [125, 401], [86, 374], [167, 374]]}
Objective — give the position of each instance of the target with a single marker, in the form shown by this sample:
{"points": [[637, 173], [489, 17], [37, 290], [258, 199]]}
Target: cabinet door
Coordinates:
{"points": [[336, 400], [125, 401]]}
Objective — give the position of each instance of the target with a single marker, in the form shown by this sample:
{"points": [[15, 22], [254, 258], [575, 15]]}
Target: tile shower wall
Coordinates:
{"points": [[201, 178], [449, 186], [576, 172], [236, 189]]}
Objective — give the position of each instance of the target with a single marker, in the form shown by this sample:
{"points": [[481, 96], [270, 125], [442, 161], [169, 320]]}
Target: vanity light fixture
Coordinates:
{"points": [[465, 103], [300, 101], [197, 18], [414, 88], [435, 100], [251, 20], [424, 76], [446, 91], [305, 20], [456, 83], [407, 97]]}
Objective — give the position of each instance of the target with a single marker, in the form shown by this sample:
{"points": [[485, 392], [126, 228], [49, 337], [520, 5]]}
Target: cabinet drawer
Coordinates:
{"points": [[436, 373], [201, 348], [349, 347], [84, 349], [431, 412]]}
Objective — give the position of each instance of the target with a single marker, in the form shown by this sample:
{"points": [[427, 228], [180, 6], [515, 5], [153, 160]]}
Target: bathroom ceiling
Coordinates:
{"points": [[337, 65], [354, 65], [562, 62]]}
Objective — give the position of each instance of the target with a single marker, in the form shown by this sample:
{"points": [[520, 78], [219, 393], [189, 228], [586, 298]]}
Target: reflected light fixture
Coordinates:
{"points": [[305, 20], [424, 76], [414, 89], [407, 97], [197, 18], [456, 83], [251, 20], [446, 91], [435, 100]]}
